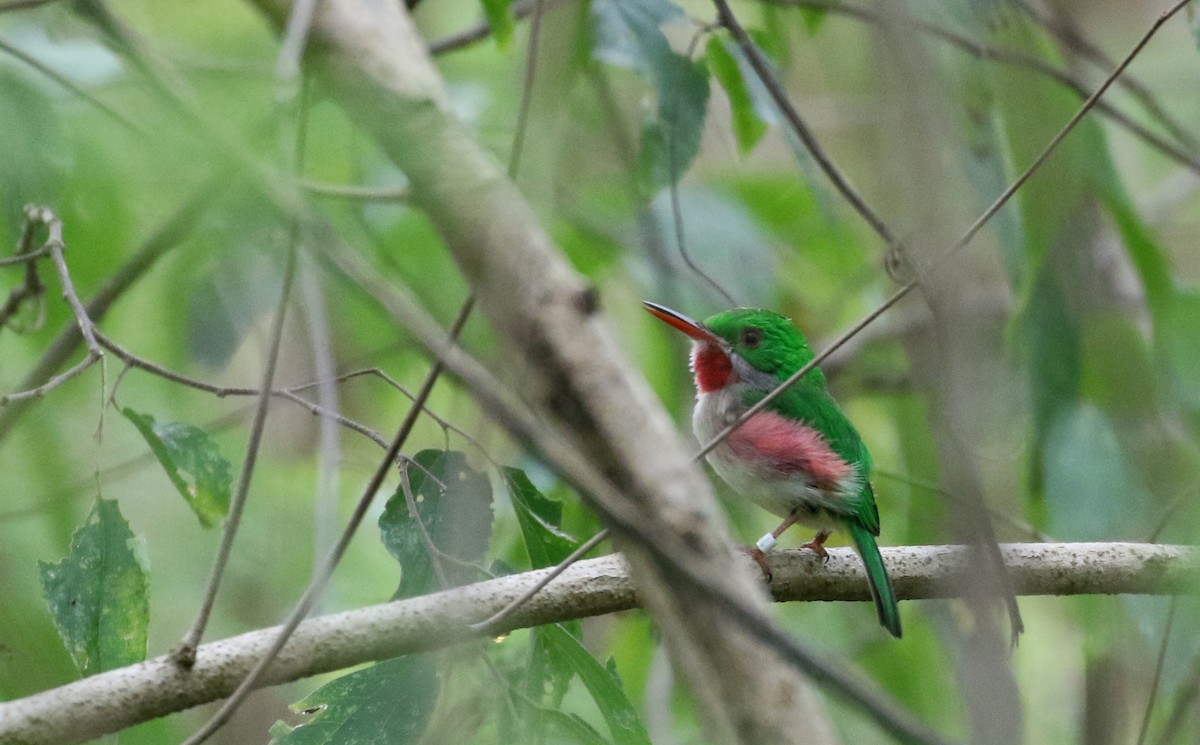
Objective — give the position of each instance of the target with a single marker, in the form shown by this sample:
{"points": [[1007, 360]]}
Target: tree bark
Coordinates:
{"points": [[112, 701]]}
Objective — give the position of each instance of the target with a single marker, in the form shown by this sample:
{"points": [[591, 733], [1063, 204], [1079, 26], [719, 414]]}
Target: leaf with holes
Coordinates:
{"points": [[98, 593], [388, 702], [452, 504], [184, 449]]}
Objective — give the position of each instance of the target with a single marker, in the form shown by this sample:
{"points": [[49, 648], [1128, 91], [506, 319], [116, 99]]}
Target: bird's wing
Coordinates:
{"points": [[815, 407]]}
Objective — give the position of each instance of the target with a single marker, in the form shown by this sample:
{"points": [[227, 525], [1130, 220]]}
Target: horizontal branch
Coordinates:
{"points": [[112, 701]]}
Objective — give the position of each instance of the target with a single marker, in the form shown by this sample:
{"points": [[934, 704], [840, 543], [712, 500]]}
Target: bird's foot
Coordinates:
{"points": [[756, 553], [817, 546]]}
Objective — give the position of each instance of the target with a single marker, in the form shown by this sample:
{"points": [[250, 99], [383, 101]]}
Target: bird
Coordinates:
{"points": [[800, 457]]}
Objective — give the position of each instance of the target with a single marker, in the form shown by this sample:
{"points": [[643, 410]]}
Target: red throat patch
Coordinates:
{"points": [[712, 368]]}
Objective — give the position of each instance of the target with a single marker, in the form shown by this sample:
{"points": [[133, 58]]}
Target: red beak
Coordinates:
{"points": [[694, 329]]}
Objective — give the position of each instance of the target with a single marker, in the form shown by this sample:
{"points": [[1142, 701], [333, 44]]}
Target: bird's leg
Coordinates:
{"points": [[758, 552], [817, 546]]}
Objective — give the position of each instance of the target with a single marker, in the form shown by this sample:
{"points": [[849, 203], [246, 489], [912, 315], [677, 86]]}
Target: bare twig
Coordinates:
{"points": [[49, 72], [762, 67], [1184, 154], [350, 191], [111, 701], [673, 178], [54, 246], [1071, 36], [185, 652], [1158, 671], [966, 238], [32, 288], [322, 574]]}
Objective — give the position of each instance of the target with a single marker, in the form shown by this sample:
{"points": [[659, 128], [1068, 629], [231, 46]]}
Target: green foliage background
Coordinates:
{"points": [[1094, 263]]}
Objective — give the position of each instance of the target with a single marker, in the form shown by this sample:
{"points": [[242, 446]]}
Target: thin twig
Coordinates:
{"points": [[1071, 36], [762, 67], [32, 288], [185, 652], [325, 571], [49, 72], [352, 191], [1158, 671], [1185, 155], [494, 620], [909, 287], [162, 239], [673, 179], [531, 58], [668, 550], [962, 242]]}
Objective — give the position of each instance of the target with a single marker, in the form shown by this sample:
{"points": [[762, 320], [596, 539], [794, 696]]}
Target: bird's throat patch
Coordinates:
{"points": [[712, 367]]}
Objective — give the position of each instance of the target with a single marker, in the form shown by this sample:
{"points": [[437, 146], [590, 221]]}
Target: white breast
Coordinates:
{"points": [[775, 492]]}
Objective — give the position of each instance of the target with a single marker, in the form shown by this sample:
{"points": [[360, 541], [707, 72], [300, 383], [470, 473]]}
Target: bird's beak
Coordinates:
{"points": [[694, 329]]}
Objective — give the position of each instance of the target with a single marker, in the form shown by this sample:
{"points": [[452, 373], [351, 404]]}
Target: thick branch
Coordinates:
{"points": [[121, 698]]}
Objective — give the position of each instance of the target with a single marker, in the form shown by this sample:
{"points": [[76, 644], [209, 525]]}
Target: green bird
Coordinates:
{"points": [[800, 457]]}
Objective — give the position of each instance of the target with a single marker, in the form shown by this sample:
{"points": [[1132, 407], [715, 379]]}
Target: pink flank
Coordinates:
{"points": [[789, 447]]}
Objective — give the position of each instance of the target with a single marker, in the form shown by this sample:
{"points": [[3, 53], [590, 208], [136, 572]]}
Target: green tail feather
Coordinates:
{"points": [[877, 579]]}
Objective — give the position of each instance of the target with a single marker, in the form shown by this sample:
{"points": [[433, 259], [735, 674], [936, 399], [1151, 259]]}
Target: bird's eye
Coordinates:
{"points": [[752, 337]]}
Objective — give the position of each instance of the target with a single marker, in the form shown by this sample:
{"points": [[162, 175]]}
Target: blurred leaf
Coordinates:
{"points": [[500, 18], [98, 594], [1091, 492], [182, 447], [725, 241], [388, 702], [1148, 259], [570, 727], [813, 18], [234, 291], [622, 718], [540, 519], [748, 125], [629, 33], [454, 507], [1117, 373], [32, 166], [1175, 335]]}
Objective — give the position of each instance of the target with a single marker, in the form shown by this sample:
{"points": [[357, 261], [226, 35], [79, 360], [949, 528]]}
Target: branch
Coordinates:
{"points": [[114, 700]]}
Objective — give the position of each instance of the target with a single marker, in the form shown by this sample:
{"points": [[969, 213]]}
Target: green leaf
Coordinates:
{"points": [[628, 33], [1091, 490], [1175, 336], [98, 593], [1148, 259], [500, 18], [570, 727], [748, 125], [540, 519], [454, 504], [388, 702], [184, 449], [624, 724]]}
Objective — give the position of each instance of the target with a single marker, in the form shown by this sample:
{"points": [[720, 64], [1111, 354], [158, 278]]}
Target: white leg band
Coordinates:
{"points": [[766, 543]]}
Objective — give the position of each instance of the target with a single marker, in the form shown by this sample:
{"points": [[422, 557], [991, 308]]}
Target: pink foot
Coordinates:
{"points": [[817, 546], [754, 552]]}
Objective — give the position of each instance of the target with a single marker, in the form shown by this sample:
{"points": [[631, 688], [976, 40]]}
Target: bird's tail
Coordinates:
{"points": [[877, 578]]}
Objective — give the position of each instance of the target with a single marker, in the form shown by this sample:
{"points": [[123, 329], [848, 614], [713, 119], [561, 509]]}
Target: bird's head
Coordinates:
{"points": [[743, 345]]}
